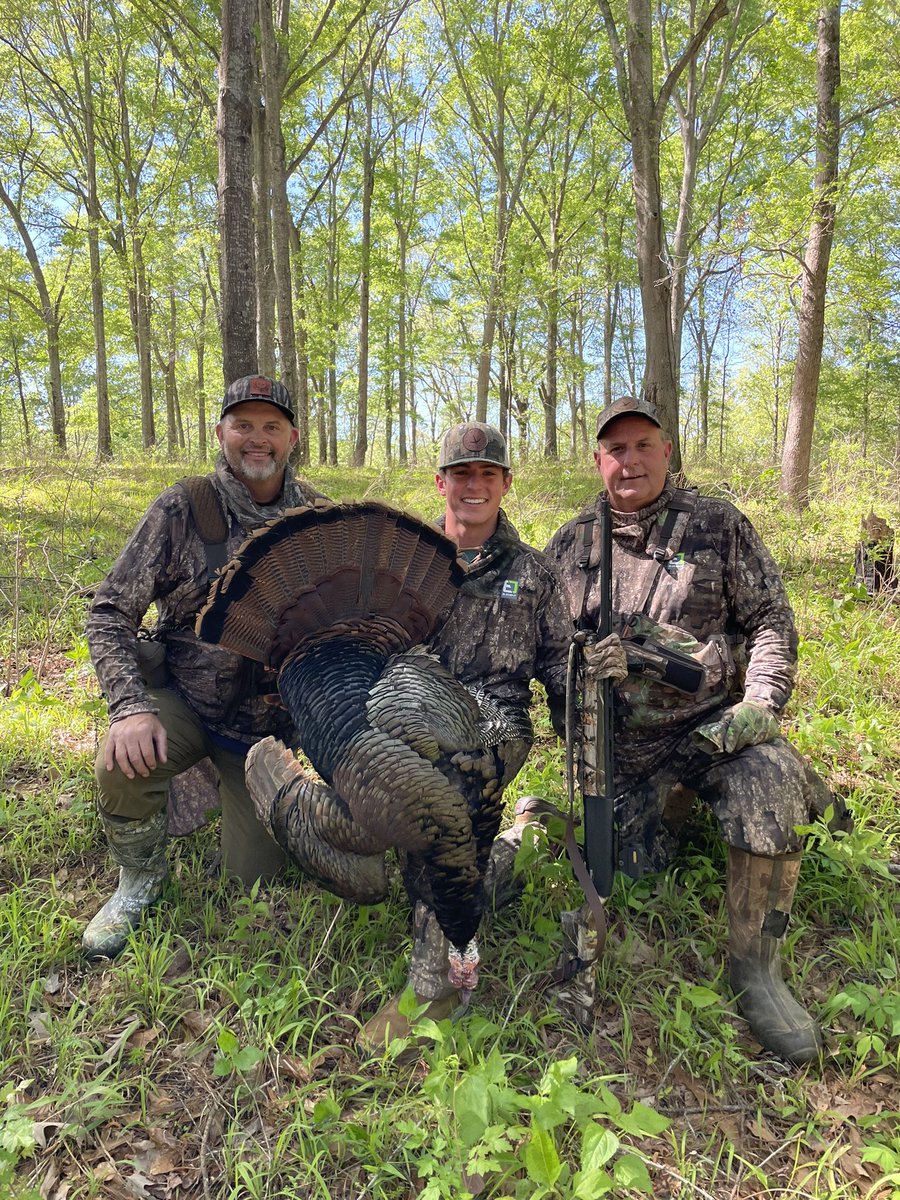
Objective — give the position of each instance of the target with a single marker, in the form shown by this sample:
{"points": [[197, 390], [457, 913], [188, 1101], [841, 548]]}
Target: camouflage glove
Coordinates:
{"points": [[606, 658], [744, 724]]}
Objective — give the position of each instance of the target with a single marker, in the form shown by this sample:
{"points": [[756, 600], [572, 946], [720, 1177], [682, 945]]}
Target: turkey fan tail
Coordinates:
{"points": [[328, 565], [313, 826]]}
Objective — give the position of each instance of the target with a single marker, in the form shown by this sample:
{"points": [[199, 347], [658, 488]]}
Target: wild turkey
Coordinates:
{"points": [[337, 599]]}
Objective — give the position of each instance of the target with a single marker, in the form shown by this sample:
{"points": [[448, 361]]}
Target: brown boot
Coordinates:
{"points": [[760, 894], [501, 884], [428, 968], [389, 1023]]}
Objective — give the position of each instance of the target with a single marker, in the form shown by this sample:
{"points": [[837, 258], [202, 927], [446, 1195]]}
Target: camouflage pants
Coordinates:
{"points": [[248, 852], [758, 796]]}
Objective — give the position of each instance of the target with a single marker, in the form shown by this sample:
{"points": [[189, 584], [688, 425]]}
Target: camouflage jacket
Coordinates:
{"points": [[717, 596], [509, 624], [164, 561]]}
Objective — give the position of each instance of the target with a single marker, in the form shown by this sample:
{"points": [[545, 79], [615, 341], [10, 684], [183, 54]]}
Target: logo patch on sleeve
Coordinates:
{"points": [[510, 589]]}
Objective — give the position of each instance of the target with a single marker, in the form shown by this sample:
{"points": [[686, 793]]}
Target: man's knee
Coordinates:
{"points": [[761, 797], [119, 796]]}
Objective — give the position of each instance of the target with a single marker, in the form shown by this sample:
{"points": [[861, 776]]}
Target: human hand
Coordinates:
{"points": [[136, 744], [607, 659], [744, 724]]}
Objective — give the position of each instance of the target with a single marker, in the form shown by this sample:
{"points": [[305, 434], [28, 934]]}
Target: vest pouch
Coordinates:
{"points": [[673, 658], [151, 655], [672, 668]]}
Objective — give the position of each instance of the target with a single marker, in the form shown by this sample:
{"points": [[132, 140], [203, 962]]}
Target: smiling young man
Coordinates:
{"points": [[690, 573], [508, 625], [205, 703]]}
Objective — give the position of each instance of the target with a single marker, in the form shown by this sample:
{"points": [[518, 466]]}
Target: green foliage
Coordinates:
{"points": [[228, 1024]]}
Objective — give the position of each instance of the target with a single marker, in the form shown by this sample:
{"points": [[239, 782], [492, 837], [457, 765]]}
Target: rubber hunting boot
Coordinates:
{"points": [[760, 893], [138, 848]]}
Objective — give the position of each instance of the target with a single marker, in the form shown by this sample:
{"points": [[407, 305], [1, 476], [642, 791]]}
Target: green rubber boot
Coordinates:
{"points": [[760, 893], [138, 848]]}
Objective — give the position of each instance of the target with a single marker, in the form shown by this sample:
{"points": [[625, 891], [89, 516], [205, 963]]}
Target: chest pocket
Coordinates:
{"points": [[688, 587], [669, 670]]}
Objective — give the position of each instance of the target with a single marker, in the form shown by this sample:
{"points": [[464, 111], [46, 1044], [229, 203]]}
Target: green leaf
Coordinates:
{"points": [[642, 1121], [246, 1059], [541, 1158], [591, 1185], [326, 1110], [227, 1042], [472, 1106], [631, 1172], [701, 997], [598, 1145]]}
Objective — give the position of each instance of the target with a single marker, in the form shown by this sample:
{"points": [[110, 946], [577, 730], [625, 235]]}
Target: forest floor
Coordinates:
{"points": [[217, 1056]]}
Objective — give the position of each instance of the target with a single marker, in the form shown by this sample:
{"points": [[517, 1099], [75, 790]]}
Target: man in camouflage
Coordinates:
{"points": [[508, 625], [691, 575], [207, 703]]}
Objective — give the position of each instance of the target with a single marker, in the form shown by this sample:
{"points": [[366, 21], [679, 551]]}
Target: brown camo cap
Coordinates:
{"points": [[473, 441], [623, 407]]}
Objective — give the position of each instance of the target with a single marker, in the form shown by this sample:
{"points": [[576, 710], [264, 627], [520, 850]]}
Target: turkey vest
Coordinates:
{"points": [[666, 547]]}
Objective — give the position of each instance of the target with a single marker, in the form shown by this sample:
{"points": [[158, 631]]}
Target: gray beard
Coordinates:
{"points": [[257, 472]]}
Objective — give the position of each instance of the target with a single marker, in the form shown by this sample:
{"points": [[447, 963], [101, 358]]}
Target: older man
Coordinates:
{"points": [[201, 701], [692, 576]]}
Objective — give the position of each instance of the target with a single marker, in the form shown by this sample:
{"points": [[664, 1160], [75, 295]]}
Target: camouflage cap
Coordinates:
{"points": [[258, 387], [473, 441], [627, 406]]}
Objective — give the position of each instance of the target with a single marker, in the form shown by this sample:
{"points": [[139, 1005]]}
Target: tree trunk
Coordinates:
{"points": [[104, 432], [401, 349], [273, 74], [301, 400], [265, 266], [798, 436], [234, 135], [50, 317], [358, 457], [549, 391], [201, 372], [144, 339], [20, 388]]}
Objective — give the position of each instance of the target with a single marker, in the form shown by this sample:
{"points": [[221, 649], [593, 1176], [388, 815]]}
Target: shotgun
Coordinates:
{"points": [[598, 783]]}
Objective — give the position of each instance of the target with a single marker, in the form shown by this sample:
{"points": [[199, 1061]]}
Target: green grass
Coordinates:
{"points": [[216, 1057]]}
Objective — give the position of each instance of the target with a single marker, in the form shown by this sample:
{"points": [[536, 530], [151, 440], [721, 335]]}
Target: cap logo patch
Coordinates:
{"points": [[510, 589], [474, 440], [260, 386]]}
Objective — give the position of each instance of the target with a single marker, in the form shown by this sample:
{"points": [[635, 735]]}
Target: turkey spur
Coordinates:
{"points": [[337, 598]]}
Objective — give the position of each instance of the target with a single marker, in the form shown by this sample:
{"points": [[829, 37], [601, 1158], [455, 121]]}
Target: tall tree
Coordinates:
{"points": [[644, 107], [506, 115], [234, 133], [798, 436], [48, 306]]}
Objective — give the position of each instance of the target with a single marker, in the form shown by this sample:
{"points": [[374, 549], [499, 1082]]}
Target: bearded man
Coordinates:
{"points": [[175, 701]]}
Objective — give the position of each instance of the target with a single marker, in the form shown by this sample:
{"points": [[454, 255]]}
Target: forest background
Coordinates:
{"points": [[414, 215], [419, 213]]}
